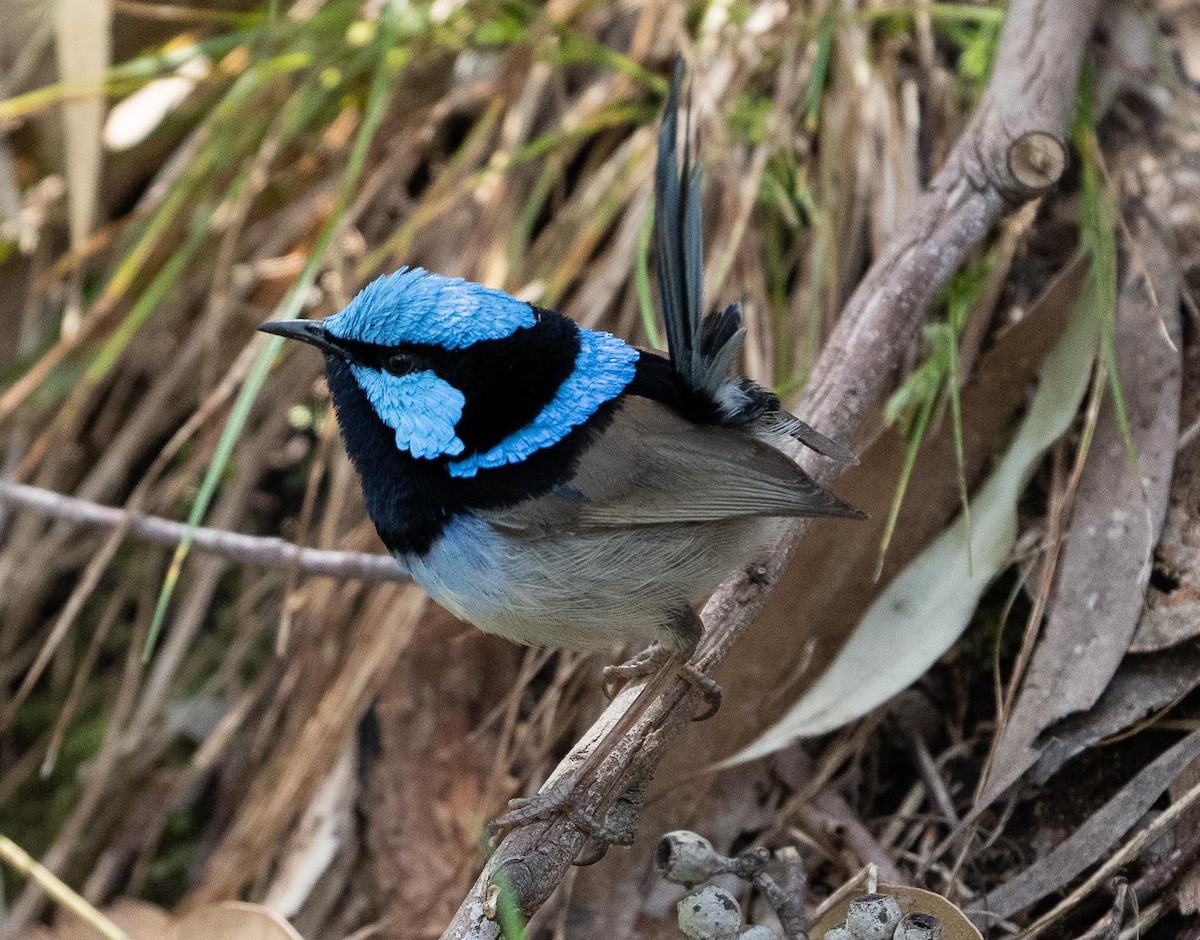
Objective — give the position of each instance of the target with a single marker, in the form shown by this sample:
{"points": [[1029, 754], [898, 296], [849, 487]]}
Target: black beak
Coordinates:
{"points": [[312, 332]]}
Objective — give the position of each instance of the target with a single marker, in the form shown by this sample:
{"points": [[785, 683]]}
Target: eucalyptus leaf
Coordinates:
{"points": [[929, 604]]}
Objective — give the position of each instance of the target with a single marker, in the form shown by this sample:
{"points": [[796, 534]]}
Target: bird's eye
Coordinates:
{"points": [[400, 364]]}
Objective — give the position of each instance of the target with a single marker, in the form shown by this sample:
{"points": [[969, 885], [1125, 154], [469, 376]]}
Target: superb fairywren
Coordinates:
{"points": [[553, 484]]}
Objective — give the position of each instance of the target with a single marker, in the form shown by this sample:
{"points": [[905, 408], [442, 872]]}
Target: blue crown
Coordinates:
{"points": [[414, 306]]}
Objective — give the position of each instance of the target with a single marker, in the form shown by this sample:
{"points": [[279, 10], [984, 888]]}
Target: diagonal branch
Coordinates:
{"points": [[1012, 151], [269, 551]]}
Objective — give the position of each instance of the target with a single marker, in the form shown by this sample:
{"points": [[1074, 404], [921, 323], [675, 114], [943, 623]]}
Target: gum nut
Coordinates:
{"points": [[873, 917], [758, 932], [686, 858], [916, 926], [711, 913]]}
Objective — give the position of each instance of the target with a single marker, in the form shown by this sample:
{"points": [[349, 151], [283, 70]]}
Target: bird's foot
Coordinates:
{"points": [[655, 658], [619, 827], [525, 810], [649, 661]]}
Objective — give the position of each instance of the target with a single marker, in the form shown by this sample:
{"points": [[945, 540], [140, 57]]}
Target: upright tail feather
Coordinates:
{"points": [[701, 351]]}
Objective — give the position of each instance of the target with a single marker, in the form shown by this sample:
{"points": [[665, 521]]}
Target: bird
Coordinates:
{"points": [[554, 484]]}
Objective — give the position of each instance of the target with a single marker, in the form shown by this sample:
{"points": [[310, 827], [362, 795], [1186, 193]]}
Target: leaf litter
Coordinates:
{"points": [[1105, 558]]}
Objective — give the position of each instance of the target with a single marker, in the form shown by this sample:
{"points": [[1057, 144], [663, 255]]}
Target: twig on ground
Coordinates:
{"points": [[1121, 857], [269, 551], [1155, 880], [1011, 152]]}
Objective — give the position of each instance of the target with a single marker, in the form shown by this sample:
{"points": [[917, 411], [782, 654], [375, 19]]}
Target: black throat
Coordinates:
{"points": [[410, 500]]}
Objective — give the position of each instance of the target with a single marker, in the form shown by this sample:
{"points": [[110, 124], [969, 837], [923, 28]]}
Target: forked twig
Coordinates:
{"points": [[1012, 151]]}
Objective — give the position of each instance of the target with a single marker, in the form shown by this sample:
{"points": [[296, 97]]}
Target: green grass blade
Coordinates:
{"points": [[1099, 236], [820, 70], [289, 307], [959, 456], [910, 459]]}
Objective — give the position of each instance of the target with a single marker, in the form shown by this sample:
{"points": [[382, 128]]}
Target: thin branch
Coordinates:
{"points": [[1011, 152], [269, 551]]}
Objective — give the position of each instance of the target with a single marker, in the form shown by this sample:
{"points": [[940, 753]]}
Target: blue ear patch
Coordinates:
{"points": [[414, 306], [420, 407], [603, 367]]}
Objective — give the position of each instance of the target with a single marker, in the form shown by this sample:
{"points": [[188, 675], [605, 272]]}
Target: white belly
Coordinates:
{"points": [[583, 591]]}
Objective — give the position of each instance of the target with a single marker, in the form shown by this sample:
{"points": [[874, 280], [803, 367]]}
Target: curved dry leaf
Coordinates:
{"points": [[1091, 841], [142, 921], [829, 584], [1114, 525], [1143, 686], [955, 924], [926, 608], [1172, 612], [234, 920], [139, 919]]}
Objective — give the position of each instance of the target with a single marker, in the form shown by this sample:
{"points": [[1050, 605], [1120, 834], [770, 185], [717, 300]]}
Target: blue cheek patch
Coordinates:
{"points": [[603, 367], [420, 407], [414, 306]]}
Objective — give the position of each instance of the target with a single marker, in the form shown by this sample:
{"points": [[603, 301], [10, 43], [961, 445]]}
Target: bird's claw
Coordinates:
{"points": [[651, 660], [562, 798], [646, 663], [525, 810], [708, 687]]}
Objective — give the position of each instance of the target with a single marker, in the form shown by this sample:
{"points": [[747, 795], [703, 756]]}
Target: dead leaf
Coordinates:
{"points": [[1092, 840], [1105, 563], [955, 924], [234, 920], [1188, 891], [1142, 686], [1172, 612], [141, 921], [829, 585]]}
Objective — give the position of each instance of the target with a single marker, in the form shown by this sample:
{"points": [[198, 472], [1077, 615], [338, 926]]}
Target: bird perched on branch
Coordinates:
{"points": [[553, 484]]}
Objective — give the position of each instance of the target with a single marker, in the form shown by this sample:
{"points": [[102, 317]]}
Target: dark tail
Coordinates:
{"points": [[701, 351]]}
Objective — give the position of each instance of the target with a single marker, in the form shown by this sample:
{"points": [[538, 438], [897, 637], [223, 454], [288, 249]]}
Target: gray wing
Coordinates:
{"points": [[652, 466]]}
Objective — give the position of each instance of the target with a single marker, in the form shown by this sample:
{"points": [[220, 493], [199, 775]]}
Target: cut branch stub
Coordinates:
{"points": [[1036, 160]]}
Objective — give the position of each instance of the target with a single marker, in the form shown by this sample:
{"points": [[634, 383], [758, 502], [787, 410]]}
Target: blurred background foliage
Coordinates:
{"points": [[219, 164]]}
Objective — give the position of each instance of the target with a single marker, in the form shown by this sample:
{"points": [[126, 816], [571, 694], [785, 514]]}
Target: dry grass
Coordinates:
{"points": [[507, 142]]}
